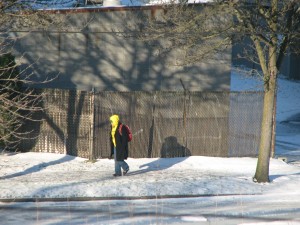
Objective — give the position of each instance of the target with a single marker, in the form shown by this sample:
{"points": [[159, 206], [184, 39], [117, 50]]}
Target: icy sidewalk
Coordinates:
{"points": [[45, 175]]}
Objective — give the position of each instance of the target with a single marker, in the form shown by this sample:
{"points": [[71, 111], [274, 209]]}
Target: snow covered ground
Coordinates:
{"points": [[214, 190], [46, 175]]}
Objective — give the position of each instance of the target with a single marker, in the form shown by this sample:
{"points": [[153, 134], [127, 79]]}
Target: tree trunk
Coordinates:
{"points": [[262, 168], [270, 78]]}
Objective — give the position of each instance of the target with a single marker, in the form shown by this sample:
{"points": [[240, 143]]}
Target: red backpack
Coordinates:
{"points": [[128, 131]]}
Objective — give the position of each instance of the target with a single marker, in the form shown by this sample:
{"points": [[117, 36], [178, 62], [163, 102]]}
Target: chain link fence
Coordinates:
{"points": [[164, 124]]}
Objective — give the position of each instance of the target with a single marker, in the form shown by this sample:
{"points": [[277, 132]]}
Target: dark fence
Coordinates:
{"points": [[164, 124]]}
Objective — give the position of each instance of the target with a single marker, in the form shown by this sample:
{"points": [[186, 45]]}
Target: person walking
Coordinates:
{"points": [[119, 145]]}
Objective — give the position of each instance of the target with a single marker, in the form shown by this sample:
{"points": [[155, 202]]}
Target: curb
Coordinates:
{"points": [[74, 199]]}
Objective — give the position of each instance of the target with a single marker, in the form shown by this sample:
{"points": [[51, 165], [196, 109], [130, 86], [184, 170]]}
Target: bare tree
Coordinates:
{"points": [[17, 101], [202, 31]]}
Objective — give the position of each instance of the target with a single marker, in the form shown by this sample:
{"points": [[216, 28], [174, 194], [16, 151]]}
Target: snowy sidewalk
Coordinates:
{"points": [[45, 175]]}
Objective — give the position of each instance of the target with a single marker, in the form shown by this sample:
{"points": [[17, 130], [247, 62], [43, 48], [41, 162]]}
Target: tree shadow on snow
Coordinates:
{"points": [[275, 177], [39, 167]]}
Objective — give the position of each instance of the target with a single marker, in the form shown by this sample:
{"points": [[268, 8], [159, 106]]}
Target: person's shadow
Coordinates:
{"points": [[170, 149]]}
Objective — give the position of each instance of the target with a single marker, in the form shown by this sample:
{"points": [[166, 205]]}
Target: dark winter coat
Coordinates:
{"points": [[121, 144]]}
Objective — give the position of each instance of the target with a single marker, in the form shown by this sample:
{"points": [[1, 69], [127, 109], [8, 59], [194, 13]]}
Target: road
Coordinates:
{"points": [[213, 210]]}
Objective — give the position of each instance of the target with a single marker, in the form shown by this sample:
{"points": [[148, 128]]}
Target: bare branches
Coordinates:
{"points": [[290, 30], [270, 23], [192, 28], [197, 32], [17, 101]]}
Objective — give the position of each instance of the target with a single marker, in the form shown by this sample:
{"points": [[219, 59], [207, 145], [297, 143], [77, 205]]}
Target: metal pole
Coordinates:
{"points": [[92, 127], [184, 117], [273, 140]]}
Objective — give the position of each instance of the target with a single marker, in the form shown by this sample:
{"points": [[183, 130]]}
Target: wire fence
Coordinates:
{"points": [[164, 124]]}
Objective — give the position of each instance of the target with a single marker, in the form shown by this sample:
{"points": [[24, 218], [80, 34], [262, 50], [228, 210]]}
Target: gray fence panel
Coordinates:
{"points": [[164, 124], [245, 123]]}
